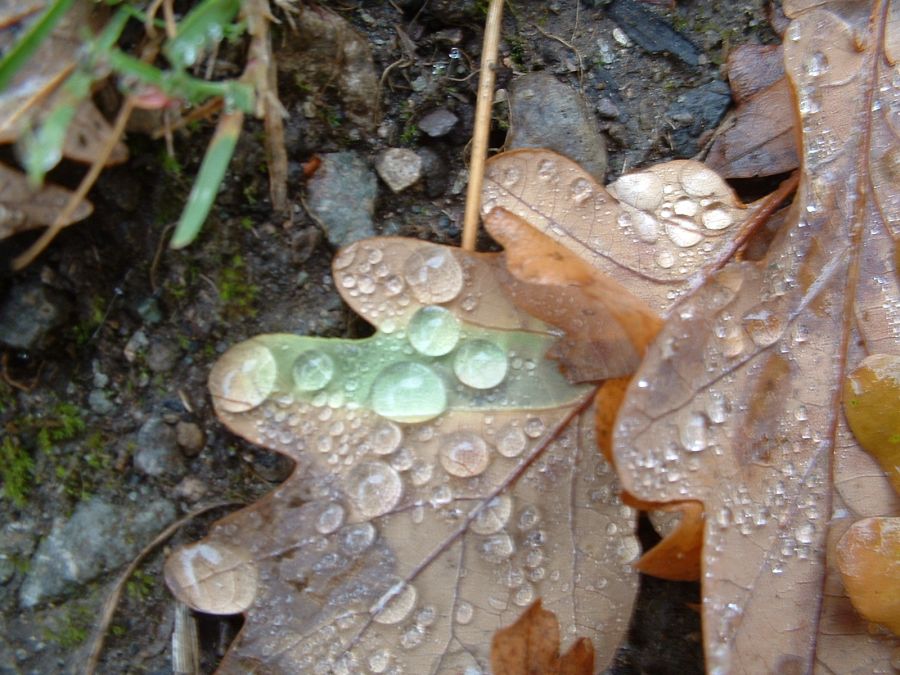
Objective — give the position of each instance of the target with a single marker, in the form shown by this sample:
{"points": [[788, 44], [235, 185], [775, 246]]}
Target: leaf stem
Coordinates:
{"points": [[482, 123]]}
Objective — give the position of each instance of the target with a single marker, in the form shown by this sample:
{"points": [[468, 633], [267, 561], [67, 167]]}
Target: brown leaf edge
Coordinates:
{"points": [[530, 646]]}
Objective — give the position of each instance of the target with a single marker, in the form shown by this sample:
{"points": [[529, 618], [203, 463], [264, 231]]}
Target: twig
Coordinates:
{"points": [[86, 184], [482, 123], [112, 600], [568, 44]]}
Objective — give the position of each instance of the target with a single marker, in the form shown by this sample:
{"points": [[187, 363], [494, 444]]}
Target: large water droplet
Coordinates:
{"points": [[497, 547], [313, 370], [716, 219], [244, 377], [385, 438], [699, 181], [464, 612], [396, 604], [433, 331], [511, 441], [408, 392], [493, 516], [763, 325], [581, 191], [374, 488], [693, 432], [355, 539], [480, 364], [330, 518], [683, 232], [642, 190], [665, 259], [433, 275], [464, 454]]}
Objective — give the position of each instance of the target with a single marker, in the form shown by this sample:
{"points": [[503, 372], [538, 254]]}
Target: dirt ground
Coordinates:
{"points": [[141, 324]]}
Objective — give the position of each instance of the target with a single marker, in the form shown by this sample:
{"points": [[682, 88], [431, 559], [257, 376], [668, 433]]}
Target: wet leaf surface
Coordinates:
{"points": [[446, 478], [740, 406]]}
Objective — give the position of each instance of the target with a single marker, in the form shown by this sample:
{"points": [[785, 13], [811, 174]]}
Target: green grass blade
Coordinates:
{"points": [[206, 185], [23, 50], [203, 25]]}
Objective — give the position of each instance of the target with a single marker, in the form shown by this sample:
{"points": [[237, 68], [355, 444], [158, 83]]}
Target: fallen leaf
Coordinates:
{"points": [[22, 207], [742, 405], [531, 647], [446, 478]]}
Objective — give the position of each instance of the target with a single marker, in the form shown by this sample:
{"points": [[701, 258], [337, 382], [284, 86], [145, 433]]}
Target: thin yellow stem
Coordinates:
{"points": [[482, 123]]}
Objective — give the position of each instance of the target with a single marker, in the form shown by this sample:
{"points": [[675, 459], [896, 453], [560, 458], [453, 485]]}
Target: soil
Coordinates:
{"points": [[256, 271]]}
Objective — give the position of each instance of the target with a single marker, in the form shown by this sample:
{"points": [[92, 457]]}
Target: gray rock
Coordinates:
{"points": [[549, 114], [399, 168], [341, 197], [191, 489], [161, 357], [157, 453], [438, 122], [99, 402], [136, 344], [30, 313], [190, 438], [696, 112], [99, 537]]}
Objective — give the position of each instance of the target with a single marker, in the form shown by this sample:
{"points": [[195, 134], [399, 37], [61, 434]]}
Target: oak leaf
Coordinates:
{"points": [[446, 478], [742, 408]]}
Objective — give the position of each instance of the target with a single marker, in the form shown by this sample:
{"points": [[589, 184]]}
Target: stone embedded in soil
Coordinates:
{"points": [[99, 402], [161, 357], [399, 168], [545, 113], [438, 122], [29, 314], [190, 438], [157, 450], [99, 537], [341, 197], [694, 113]]}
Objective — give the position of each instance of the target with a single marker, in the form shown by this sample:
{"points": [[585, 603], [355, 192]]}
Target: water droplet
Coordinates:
{"points": [[464, 454], [546, 169], [393, 285], [699, 181], [816, 64], [433, 275], [355, 539], [464, 612], [421, 472], [497, 547], [480, 364], [763, 325], [524, 595], [408, 392], [374, 488], [806, 533], [330, 518], [534, 427], [665, 259], [345, 257], [244, 377], [385, 438], [716, 407], [686, 207], [493, 516], [683, 232], [511, 441], [433, 331], [643, 190], [581, 191], [716, 219], [510, 176], [396, 604], [379, 661], [693, 432], [313, 370]]}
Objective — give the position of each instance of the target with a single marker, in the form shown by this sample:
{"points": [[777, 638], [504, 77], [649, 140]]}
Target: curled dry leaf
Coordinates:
{"points": [[22, 207], [741, 410], [531, 647], [446, 478]]}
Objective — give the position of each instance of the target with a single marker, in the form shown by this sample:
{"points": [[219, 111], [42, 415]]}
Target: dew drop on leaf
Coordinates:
{"points": [[396, 604], [511, 441], [642, 190], [693, 433], [433, 275], [245, 378], [374, 488], [493, 516], [464, 454], [480, 364], [355, 539], [433, 331], [330, 518], [408, 392], [385, 438], [464, 612], [313, 370]]}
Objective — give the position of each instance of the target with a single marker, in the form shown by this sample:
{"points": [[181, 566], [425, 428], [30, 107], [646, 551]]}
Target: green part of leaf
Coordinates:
{"points": [[210, 176], [204, 25], [23, 50]]}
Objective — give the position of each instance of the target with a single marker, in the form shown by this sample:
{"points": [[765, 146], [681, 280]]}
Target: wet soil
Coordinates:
{"points": [[74, 402]]}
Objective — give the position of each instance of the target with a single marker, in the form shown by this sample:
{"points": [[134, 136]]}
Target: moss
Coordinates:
{"points": [[72, 628], [16, 471], [235, 290]]}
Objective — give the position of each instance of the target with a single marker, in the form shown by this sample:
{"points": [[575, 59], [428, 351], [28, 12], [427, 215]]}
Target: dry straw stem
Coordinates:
{"points": [[482, 123]]}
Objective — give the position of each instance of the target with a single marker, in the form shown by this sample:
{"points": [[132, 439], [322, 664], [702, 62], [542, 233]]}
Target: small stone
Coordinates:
{"points": [[696, 112], [341, 197], [99, 537], [29, 314], [399, 168], [157, 453], [161, 357], [136, 344], [191, 489], [98, 401], [607, 109], [149, 311], [190, 437], [438, 122]]}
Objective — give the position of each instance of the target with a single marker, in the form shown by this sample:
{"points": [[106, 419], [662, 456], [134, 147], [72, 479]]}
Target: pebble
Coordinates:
{"points": [[98, 537], [30, 313], [136, 344], [161, 357], [694, 113], [341, 197], [157, 450], [549, 114], [190, 438], [438, 122], [191, 489], [399, 168], [99, 402]]}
